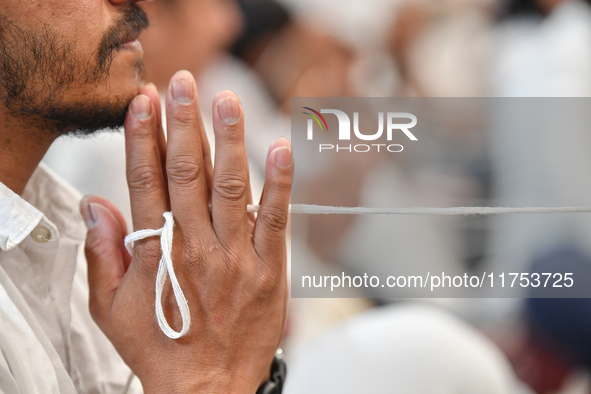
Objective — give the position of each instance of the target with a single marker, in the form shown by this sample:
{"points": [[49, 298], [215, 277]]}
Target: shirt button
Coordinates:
{"points": [[41, 234]]}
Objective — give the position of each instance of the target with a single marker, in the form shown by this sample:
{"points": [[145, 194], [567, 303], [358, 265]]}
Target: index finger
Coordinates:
{"points": [[144, 171], [151, 91]]}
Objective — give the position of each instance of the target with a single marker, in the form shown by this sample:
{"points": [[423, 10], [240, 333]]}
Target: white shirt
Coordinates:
{"points": [[548, 57], [540, 160], [48, 341]]}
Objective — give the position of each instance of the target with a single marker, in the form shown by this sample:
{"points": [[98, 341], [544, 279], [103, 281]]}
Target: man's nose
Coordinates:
{"points": [[120, 2]]}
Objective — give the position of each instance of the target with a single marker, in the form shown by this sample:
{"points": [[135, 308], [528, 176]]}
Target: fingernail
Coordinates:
{"points": [[90, 216], [229, 110], [141, 107], [182, 91], [283, 156]]}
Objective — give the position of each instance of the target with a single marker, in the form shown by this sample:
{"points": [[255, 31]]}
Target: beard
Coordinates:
{"points": [[39, 67]]}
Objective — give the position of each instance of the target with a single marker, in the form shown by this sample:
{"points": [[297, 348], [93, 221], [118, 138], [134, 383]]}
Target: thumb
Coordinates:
{"points": [[105, 254]]}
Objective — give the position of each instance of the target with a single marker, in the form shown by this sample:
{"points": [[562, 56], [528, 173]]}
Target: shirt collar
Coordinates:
{"points": [[18, 217]]}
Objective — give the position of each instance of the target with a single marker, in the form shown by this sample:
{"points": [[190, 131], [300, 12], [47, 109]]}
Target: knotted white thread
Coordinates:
{"points": [[166, 234], [165, 267]]}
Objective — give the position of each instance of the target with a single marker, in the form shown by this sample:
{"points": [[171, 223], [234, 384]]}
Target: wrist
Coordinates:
{"points": [[277, 375], [213, 383]]}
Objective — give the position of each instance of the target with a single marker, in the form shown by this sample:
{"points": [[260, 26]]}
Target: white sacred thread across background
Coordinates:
{"points": [[327, 210], [166, 233]]}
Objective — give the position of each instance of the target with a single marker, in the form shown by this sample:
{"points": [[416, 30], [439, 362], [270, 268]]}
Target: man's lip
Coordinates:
{"points": [[131, 37], [132, 45]]}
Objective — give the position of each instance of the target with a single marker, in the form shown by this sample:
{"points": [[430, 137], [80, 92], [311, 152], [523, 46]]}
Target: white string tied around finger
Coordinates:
{"points": [[166, 235], [165, 267]]}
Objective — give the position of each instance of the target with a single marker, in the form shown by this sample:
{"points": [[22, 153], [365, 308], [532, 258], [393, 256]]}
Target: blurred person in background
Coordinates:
{"points": [[441, 48], [543, 49], [405, 349], [188, 34], [426, 39], [279, 56], [292, 57], [539, 48]]}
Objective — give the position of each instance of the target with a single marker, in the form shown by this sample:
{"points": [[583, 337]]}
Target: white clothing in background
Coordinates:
{"points": [[93, 165], [409, 349], [544, 160], [544, 58]]}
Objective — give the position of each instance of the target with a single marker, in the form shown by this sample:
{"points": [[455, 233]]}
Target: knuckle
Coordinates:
{"points": [[194, 258], [232, 271], [282, 183], [267, 283], [141, 129], [274, 219], [143, 177], [185, 117], [146, 255], [261, 279], [230, 187], [233, 134], [231, 266], [183, 170], [149, 251]]}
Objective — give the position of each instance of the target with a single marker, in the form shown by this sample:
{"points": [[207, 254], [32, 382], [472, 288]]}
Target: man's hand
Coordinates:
{"points": [[231, 267]]}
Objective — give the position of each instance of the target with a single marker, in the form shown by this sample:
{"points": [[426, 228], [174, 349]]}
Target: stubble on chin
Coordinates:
{"points": [[39, 70]]}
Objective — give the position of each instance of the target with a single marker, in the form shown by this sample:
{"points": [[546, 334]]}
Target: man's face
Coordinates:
{"points": [[69, 65]]}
